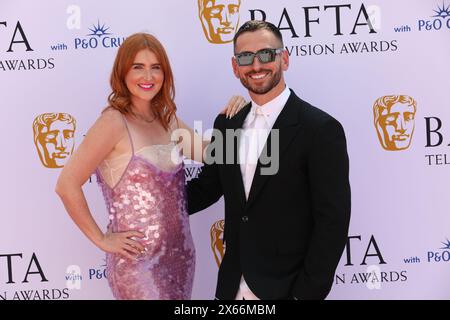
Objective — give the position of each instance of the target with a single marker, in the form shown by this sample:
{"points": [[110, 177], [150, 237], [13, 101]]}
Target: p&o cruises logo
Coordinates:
{"points": [[440, 20], [440, 256], [99, 37]]}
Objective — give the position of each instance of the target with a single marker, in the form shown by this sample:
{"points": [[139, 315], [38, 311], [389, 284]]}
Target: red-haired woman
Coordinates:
{"points": [[150, 252]]}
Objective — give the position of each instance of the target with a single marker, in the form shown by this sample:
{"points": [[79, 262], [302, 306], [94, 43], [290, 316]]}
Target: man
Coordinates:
{"points": [[54, 138], [394, 121], [285, 231], [219, 18]]}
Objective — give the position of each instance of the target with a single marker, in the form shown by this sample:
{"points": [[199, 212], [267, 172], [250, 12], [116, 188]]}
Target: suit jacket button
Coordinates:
{"points": [[244, 218]]}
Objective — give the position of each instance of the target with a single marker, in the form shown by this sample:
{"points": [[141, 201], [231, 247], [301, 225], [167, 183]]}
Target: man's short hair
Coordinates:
{"points": [[254, 25]]}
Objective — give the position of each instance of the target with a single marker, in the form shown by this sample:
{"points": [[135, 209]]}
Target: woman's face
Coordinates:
{"points": [[145, 78]]}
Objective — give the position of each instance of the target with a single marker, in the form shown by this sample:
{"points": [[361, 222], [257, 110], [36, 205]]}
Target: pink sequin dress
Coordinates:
{"points": [[149, 196]]}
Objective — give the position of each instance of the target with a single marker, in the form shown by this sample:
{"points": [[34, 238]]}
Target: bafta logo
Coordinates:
{"points": [[394, 121], [54, 138], [217, 244], [219, 18]]}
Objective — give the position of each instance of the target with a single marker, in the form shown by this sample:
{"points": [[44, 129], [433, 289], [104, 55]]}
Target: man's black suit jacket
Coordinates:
{"points": [[287, 239]]}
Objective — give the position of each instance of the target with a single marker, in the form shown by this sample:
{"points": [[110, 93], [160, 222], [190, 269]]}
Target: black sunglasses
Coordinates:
{"points": [[264, 56]]}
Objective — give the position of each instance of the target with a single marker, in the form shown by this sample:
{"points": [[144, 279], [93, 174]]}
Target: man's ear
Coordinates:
{"points": [[284, 60]]}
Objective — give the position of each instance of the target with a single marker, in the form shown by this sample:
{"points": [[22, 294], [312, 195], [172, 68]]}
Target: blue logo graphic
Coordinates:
{"points": [[441, 20], [442, 12], [98, 30], [98, 273], [98, 38], [446, 245], [440, 256]]}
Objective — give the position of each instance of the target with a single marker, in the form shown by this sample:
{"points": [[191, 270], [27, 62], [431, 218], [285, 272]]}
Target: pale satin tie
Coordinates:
{"points": [[254, 148]]}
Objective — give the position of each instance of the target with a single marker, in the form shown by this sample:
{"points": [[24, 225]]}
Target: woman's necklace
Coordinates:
{"points": [[137, 115]]}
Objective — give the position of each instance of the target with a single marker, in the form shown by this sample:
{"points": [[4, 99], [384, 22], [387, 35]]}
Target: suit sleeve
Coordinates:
{"points": [[206, 189], [330, 191]]}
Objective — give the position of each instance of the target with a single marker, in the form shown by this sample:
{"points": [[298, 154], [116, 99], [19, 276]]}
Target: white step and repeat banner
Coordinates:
{"points": [[380, 68]]}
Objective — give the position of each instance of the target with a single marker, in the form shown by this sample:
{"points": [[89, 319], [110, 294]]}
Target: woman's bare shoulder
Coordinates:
{"points": [[109, 125], [111, 119], [111, 114]]}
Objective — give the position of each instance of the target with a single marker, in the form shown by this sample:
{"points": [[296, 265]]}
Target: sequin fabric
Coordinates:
{"points": [[152, 201]]}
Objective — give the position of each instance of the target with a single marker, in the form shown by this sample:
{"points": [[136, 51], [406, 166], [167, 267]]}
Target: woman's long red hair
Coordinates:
{"points": [[162, 105]]}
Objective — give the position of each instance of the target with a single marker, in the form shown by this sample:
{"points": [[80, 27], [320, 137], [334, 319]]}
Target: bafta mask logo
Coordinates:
{"points": [[394, 121], [220, 19], [217, 245], [54, 138]]}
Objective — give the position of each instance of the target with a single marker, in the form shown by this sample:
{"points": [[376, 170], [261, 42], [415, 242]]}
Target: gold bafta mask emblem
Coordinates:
{"points": [[54, 138], [394, 121], [217, 245], [220, 19]]}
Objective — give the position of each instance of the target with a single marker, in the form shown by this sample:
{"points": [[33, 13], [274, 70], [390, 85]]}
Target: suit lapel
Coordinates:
{"points": [[236, 123], [287, 125]]}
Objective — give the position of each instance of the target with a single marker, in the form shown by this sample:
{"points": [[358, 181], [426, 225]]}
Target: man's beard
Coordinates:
{"points": [[266, 88]]}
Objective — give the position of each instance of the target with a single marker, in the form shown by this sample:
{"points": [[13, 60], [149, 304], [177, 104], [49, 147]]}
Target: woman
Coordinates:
{"points": [[150, 252]]}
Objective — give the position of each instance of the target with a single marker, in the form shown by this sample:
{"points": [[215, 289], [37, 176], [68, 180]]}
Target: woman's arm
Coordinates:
{"points": [[100, 140], [192, 143]]}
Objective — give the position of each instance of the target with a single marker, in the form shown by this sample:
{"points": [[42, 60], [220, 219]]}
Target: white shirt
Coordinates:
{"points": [[256, 129], [255, 133]]}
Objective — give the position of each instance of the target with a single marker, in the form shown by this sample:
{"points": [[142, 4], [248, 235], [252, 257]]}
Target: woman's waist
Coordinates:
{"points": [[148, 220]]}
